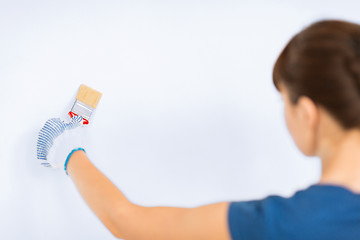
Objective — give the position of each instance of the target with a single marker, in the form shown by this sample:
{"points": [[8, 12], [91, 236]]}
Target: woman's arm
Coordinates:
{"points": [[130, 221]]}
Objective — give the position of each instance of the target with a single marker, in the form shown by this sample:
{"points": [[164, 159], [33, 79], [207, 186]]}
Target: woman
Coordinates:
{"points": [[318, 76]]}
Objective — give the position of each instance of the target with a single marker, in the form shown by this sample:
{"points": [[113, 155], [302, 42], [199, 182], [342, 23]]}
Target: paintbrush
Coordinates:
{"points": [[86, 102]]}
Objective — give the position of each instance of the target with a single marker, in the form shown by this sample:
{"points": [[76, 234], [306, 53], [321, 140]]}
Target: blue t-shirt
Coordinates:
{"points": [[320, 212]]}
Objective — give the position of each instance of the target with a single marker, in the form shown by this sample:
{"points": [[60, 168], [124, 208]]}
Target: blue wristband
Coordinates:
{"points": [[68, 157]]}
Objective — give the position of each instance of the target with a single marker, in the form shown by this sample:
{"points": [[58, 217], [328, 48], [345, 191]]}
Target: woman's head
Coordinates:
{"points": [[319, 69]]}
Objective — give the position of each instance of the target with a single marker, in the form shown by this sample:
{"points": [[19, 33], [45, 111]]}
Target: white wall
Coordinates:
{"points": [[189, 115]]}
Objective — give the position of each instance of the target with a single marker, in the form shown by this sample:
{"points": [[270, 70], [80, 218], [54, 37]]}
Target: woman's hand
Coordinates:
{"points": [[57, 140]]}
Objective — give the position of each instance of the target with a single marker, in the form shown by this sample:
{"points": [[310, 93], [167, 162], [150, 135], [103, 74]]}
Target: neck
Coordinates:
{"points": [[341, 164]]}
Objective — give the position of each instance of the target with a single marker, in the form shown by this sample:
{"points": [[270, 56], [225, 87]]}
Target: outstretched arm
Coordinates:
{"points": [[130, 221]]}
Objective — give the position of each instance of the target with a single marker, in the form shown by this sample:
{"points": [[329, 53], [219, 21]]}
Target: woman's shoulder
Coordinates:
{"points": [[311, 210], [315, 197], [332, 192]]}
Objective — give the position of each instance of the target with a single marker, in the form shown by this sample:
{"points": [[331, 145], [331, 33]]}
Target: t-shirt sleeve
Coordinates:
{"points": [[255, 220]]}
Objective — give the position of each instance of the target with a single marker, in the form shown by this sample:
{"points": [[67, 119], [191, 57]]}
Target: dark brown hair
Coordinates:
{"points": [[322, 62]]}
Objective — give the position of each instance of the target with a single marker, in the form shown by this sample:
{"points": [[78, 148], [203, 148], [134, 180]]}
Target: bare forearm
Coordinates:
{"points": [[127, 220], [102, 196]]}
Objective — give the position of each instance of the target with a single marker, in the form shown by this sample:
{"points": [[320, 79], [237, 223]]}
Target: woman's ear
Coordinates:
{"points": [[309, 115], [308, 111]]}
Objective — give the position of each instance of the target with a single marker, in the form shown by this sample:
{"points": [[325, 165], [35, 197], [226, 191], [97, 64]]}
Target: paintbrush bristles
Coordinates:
{"points": [[88, 96]]}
